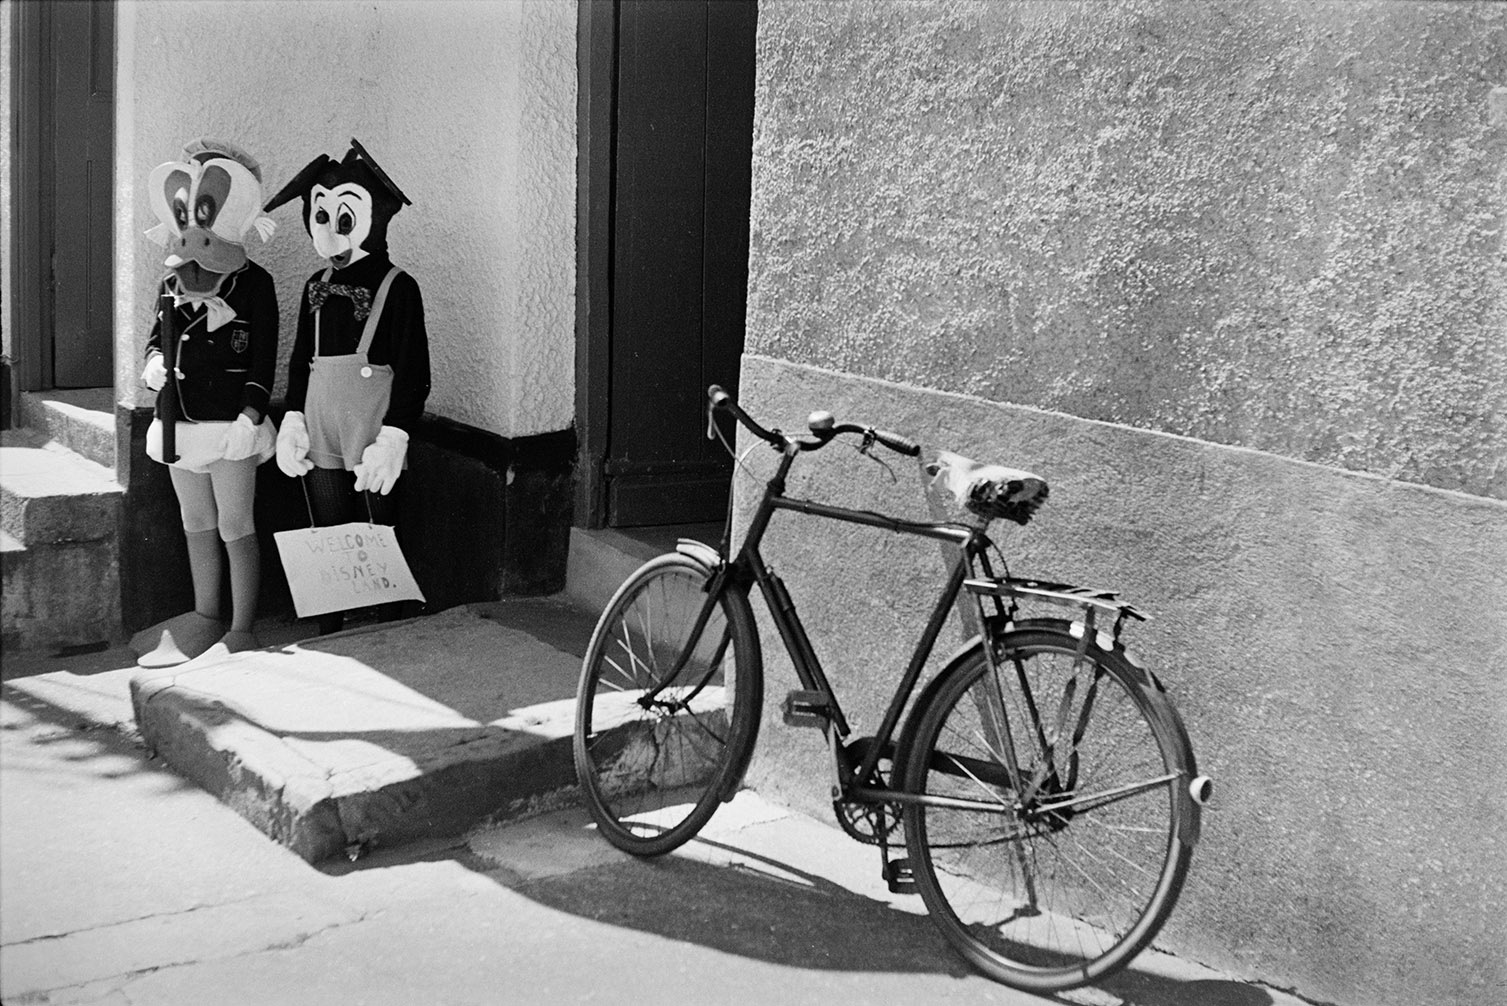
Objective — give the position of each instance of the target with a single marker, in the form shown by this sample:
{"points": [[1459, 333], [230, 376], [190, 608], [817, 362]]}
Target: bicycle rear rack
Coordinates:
{"points": [[1084, 599]]}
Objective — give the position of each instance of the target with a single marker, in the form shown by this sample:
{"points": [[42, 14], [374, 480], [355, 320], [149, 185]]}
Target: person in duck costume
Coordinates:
{"points": [[358, 376], [211, 358]]}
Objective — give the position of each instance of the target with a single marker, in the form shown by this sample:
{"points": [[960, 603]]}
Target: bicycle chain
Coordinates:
{"points": [[864, 821]]}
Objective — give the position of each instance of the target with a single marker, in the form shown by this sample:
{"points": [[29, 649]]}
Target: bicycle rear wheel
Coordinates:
{"points": [[655, 755], [1062, 880]]}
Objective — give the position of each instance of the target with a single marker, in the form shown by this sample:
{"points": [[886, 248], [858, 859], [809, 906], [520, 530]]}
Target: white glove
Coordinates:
{"points": [[240, 439], [293, 446], [154, 375], [382, 462]]}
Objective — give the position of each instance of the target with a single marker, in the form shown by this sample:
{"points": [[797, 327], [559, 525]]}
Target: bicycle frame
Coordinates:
{"points": [[855, 782], [971, 572]]}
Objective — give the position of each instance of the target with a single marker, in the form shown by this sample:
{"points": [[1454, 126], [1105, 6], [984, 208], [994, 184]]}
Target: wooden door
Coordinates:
{"points": [[679, 235], [82, 43]]}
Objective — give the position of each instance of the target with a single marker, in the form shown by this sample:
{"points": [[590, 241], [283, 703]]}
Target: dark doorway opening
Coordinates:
{"points": [[63, 192], [666, 134]]}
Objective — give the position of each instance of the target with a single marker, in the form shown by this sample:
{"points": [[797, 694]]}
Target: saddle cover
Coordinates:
{"points": [[991, 491]]}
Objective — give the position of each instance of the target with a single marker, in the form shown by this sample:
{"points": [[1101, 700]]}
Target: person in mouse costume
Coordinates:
{"points": [[358, 376], [211, 357]]}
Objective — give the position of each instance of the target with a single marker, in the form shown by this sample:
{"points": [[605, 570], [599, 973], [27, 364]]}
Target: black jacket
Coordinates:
{"points": [[233, 367]]}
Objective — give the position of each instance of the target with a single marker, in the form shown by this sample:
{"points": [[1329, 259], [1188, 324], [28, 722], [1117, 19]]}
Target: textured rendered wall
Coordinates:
{"points": [[1334, 641], [1271, 224], [468, 104], [1231, 275]]}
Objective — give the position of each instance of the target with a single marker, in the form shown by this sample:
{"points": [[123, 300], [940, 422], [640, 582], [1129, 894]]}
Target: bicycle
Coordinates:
{"points": [[1043, 784]]}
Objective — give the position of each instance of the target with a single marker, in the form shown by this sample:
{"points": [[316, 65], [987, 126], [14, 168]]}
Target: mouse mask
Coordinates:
{"points": [[347, 205], [207, 203]]}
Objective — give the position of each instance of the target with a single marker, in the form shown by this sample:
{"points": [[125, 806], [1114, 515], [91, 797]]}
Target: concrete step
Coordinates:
{"points": [[50, 495], [381, 735], [58, 598], [82, 420], [59, 558], [601, 559]]}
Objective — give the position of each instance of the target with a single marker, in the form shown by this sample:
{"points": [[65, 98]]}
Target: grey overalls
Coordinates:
{"points": [[348, 396]]}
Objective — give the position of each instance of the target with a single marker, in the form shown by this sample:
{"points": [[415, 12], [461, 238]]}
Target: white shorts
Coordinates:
{"points": [[199, 444]]}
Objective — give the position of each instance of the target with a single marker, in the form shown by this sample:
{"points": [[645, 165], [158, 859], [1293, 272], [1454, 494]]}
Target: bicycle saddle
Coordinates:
{"points": [[992, 491]]}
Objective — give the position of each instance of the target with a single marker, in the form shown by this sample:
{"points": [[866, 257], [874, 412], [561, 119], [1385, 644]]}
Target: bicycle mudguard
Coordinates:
{"points": [[703, 555]]}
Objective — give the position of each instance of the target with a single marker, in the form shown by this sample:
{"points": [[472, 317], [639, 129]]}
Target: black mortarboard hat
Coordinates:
{"points": [[358, 166]]}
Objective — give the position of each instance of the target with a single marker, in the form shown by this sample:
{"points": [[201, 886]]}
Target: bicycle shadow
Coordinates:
{"points": [[790, 892]]}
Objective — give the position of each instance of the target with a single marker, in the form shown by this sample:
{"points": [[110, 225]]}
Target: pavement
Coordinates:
{"points": [[387, 815]]}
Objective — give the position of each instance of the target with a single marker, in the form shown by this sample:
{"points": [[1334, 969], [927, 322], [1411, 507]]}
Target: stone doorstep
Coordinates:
{"points": [[494, 775], [59, 596], [58, 514], [326, 754], [49, 494], [82, 419]]}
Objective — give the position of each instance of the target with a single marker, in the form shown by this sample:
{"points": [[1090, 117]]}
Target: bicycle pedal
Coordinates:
{"points": [[898, 875], [807, 709]]}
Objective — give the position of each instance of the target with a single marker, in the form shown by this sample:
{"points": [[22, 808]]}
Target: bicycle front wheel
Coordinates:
{"points": [[656, 748], [1060, 877]]}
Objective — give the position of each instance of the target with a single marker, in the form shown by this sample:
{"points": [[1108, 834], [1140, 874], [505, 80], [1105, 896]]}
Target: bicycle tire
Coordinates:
{"points": [[1038, 899], [652, 776]]}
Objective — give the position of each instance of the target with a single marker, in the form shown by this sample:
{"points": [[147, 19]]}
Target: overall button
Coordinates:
{"points": [[366, 371]]}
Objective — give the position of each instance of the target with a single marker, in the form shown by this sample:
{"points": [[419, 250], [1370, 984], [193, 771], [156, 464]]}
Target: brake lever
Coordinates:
{"points": [[867, 450]]}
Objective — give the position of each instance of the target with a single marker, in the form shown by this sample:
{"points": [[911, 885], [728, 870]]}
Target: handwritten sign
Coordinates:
{"points": [[344, 566]]}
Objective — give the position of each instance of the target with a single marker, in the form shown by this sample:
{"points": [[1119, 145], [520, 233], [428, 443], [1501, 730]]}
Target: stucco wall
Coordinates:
{"points": [[1272, 224], [468, 104], [1231, 276], [1333, 640]]}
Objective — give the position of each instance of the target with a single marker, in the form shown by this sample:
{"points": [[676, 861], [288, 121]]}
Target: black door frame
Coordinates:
{"points": [[601, 476], [596, 104], [33, 230], [31, 92]]}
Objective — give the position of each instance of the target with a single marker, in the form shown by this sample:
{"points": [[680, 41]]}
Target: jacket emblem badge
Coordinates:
{"points": [[240, 338]]}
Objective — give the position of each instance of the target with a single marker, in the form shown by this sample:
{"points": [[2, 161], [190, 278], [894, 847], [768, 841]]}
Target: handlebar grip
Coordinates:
{"points": [[720, 399], [897, 443]]}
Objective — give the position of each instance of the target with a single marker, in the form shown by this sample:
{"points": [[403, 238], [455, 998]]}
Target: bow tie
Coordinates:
{"points": [[218, 312], [360, 296]]}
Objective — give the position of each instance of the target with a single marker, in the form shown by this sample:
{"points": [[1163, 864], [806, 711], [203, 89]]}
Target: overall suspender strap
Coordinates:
{"points": [[325, 278], [368, 333]]}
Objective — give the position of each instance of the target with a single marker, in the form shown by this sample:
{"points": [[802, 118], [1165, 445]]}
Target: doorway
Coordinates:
{"points": [[666, 133], [63, 194]]}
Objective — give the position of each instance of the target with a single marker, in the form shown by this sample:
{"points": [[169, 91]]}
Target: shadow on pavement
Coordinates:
{"points": [[725, 895], [107, 750]]}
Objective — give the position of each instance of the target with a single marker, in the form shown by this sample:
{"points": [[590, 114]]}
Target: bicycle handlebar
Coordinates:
{"points": [[823, 428]]}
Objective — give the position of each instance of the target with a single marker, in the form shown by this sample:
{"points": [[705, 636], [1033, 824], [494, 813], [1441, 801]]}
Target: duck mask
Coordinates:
{"points": [[206, 204], [346, 205]]}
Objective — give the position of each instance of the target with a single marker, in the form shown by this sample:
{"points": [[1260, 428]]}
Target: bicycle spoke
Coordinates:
{"points": [[1063, 886], [659, 725], [1096, 801]]}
